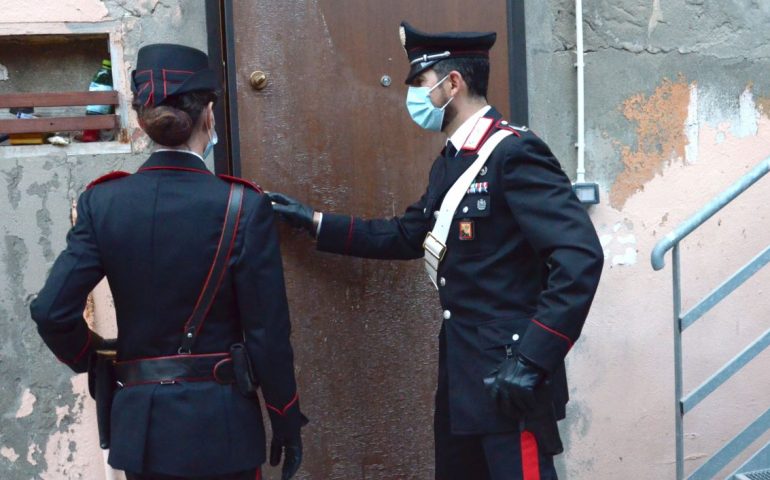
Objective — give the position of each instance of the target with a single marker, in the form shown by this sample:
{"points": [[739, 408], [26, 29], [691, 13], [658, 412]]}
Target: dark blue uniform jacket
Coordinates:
{"points": [[525, 278], [153, 234]]}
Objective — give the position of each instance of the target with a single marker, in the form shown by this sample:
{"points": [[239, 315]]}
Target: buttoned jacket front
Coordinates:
{"points": [[521, 268]]}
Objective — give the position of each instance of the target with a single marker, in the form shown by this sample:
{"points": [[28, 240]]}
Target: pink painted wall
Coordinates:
{"points": [[622, 413]]}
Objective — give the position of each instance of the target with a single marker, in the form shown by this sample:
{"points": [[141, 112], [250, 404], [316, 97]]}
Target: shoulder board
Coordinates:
{"points": [[106, 178], [504, 125], [242, 181]]}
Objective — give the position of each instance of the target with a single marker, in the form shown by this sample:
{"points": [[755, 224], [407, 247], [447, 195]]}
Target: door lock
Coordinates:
{"points": [[258, 80]]}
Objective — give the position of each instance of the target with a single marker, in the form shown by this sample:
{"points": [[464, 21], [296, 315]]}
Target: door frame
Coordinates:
{"points": [[221, 46], [221, 51]]}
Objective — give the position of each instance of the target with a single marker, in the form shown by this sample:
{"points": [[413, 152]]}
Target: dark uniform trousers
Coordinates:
{"points": [[521, 268], [499, 456], [154, 234]]}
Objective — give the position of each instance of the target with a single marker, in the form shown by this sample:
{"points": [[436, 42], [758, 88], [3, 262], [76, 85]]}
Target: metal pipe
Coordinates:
{"points": [[707, 212], [579, 63], [678, 365]]}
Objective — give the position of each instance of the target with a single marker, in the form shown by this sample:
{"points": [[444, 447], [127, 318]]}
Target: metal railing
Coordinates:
{"points": [[682, 321]]}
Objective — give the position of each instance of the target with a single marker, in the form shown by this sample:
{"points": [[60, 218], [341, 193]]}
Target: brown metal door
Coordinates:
{"points": [[327, 131]]}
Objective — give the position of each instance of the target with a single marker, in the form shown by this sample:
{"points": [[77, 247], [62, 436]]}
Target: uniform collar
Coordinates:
{"points": [[461, 134], [175, 159]]}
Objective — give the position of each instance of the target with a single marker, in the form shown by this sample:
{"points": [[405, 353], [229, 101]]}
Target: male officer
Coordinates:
{"points": [[514, 256]]}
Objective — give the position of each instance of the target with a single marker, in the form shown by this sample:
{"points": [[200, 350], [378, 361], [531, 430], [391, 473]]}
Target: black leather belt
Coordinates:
{"points": [[213, 367]]}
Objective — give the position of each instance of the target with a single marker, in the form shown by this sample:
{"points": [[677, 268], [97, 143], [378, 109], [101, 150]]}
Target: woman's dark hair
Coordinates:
{"points": [[171, 123]]}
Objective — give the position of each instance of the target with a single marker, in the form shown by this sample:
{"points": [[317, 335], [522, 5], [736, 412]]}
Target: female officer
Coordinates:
{"points": [[195, 270]]}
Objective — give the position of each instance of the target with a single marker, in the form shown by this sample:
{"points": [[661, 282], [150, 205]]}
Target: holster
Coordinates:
{"points": [[542, 421], [243, 371], [102, 384]]}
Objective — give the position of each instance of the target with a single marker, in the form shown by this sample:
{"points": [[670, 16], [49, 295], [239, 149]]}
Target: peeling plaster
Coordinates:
{"points": [[716, 53], [61, 412], [31, 451], [748, 115], [12, 178], [626, 344], [27, 404], [763, 104], [3, 73], [27, 11], [618, 243], [43, 215], [9, 453], [739, 116], [655, 18], [140, 9], [79, 435], [692, 127], [660, 136], [627, 258], [15, 258]]}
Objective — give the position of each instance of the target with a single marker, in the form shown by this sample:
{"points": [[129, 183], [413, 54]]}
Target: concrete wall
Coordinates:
{"points": [[47, 429], [676, 110]]}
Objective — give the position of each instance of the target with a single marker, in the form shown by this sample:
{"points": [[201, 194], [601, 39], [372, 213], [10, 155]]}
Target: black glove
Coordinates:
{"points": [[296, 214], [291, 448], [514, 385]]}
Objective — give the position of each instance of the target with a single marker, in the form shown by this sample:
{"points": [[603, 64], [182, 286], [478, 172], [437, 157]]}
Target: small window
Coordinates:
{"points": [[62, 92]]}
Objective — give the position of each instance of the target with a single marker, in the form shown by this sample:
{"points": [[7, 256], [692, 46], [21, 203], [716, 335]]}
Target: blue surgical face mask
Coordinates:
{"points": [[422, 110], [213, 140]]}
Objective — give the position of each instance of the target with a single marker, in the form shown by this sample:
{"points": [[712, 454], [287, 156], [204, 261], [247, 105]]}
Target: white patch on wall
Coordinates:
{"points": [[627, 258], [692, 128], [3, 72], [9, 453], [27, 404], [61, 412], [655, 18], [33, 448], [748, 114], [619, 244], [739, 117]]}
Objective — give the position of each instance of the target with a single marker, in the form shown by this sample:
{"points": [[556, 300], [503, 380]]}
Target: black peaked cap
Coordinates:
{"points": [[165, 69], [426, 49]]}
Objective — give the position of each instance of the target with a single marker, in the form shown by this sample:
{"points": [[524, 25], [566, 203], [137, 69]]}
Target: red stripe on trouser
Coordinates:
{"points": [[530, 463], [259, 474]]}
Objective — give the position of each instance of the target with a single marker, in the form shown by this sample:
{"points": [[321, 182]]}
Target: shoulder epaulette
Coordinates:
{"points": [[243, 181], [504, 125], [106, 178]]}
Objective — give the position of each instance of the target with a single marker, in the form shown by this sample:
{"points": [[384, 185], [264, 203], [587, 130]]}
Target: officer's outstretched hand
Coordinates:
{"points": [[291, 449], [296, 213], [513, 388]]}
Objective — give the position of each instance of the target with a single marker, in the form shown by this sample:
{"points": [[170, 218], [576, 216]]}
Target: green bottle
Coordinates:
{"points": [[101, 82]]}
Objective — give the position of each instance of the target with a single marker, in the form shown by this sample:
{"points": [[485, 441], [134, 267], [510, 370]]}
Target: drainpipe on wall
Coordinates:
{"points": [[587, 193]]}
